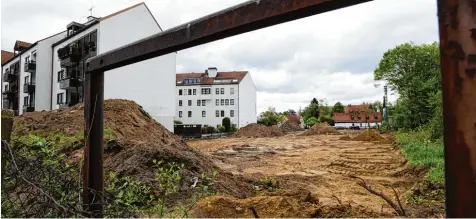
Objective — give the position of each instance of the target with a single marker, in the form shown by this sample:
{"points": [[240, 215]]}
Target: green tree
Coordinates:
{"points": [[414, 72], [377, 105], [226, 122], [270, 117], [338, 108], [311, 121], [291, 112]]}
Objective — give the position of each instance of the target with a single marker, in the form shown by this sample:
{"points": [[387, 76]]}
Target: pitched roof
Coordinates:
{"points": [[6, 56], [204, 80], [347, 117], [292, 117], [23, 44], [121, 11]]}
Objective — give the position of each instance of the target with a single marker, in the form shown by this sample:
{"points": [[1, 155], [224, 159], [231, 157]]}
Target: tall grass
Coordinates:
{"points": [[421, 151]]}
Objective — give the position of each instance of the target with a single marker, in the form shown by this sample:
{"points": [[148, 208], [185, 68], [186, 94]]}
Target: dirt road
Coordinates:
{"points": [[321, 164]]}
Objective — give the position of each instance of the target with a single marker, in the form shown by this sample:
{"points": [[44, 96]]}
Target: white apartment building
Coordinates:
{"points": [[207, 98], [149, 83]]}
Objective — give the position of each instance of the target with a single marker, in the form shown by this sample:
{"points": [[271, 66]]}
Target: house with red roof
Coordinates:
{"points": [[363, 116]]}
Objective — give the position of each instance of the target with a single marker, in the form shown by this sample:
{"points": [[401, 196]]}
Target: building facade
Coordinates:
{"points": [[363, 116], [207, 98], [60, 69]]}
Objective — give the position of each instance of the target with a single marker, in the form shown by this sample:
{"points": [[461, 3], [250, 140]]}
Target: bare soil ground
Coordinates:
{"points": [[324, 165]]}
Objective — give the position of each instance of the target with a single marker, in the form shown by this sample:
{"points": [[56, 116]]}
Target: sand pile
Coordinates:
{"points": [[345, 137], [139, 140], [320, 128], [291, 126], [259, 131], [368, 135]]}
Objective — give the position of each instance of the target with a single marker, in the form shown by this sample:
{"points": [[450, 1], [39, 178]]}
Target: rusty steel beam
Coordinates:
{"points": [[93, 188], [242, 18], [457, 26]]}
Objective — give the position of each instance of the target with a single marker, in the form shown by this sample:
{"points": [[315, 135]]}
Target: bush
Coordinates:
{"points": [[211, 129], [226, 122], [311, 121], [178, 122], [205, 129], [221, 129], [421, 151]]}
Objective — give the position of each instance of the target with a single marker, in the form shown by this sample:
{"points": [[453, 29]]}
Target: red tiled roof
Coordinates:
{"points": [[356, 108], [346, 117], [6, 56], [19, 43], [292, 117], [239, 75]]}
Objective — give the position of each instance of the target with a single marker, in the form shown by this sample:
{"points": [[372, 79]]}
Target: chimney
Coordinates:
{"points": [[91, 18], [212, 72]]}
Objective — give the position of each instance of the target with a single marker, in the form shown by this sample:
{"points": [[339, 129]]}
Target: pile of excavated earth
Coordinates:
{"points": [[259, 131], [319, 129], [139, 140], [291, 126], [369, 135]]}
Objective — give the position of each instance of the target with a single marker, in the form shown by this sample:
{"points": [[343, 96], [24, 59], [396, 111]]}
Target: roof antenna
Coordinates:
{"points": [[91, 9]]}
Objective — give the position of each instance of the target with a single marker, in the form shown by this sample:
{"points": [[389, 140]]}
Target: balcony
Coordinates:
{"points": [[9, 76], [30, 66], [29, 88], [70, 81], [8, 94], [69, 55], [29, 108]]}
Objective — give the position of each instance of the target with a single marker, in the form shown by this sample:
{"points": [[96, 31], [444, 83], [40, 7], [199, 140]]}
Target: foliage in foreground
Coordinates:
{"points": [[39, 182]]}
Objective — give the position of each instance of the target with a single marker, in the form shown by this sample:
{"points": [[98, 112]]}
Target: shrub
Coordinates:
{"points": [[178, 122], [211, 129], [311, 121], [221, 128], [226, 122]]}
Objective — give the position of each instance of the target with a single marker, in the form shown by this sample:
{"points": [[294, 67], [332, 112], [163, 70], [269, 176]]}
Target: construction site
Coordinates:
{"points": [[110, 157], [260, 171]]}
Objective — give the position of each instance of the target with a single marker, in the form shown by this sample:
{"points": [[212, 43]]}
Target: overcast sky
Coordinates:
{"points": [[328, 56]]}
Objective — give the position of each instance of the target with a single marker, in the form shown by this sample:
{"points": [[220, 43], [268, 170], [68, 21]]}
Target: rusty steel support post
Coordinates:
{"points": [[93, 188], [457, 26]]}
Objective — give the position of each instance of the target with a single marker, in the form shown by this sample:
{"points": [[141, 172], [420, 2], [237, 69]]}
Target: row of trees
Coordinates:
{"points": [[413, 71]]}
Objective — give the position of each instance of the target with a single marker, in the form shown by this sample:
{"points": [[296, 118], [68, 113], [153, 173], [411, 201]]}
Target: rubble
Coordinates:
{"points": [[258, 131], [319, 129], [291, 126]]}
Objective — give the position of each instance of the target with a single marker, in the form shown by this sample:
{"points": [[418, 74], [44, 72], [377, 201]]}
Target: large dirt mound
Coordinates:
{"points": [[368, 135], [319, 129], [259, 131], [139, 141], [291, 126]]}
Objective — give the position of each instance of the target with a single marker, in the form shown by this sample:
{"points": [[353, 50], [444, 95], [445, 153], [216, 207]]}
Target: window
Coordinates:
{"points": [[217, 90], [232, 102], [198, 102], [189, 102], [217, 102], [59, 98], [227, 102], [27, 79], [27, 59], [232, 90], [223, 113], [180, 92], [222, 102], [180, 102], [232, 113], [189, 113], [217, 113], [25, 101], [204, 113], [6, 88], [180, 114], [222, 91], [189, 91], [206, 90], [203, 102], [194, 91]]}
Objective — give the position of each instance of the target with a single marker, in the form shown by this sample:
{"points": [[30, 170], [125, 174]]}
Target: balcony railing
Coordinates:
{"points": [[8, 94], [69, 54], [30, 66], [29, 107], [9, 76], [29, 88], [70, 80]]}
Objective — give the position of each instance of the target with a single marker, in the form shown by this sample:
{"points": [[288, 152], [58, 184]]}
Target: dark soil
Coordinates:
{"points": [[291, 126], [319, 129]]}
